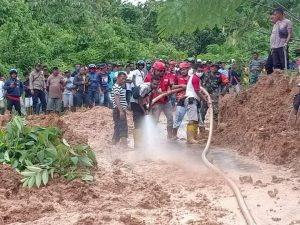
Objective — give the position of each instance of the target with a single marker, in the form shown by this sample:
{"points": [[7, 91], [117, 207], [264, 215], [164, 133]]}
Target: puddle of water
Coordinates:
{"points": [[223, 159]]}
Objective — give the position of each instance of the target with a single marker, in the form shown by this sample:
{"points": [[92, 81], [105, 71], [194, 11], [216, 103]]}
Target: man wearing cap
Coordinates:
{"points": [[163, 104], [93, 86], [280, 38], [180, 82], [138, 75], [68, 91], [55, 84], [104, 85], [14, 90], [37, 86], [212, 82]]}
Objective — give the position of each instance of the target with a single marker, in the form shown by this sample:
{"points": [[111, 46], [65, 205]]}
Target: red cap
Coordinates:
{"points": [[159, 66], [184, 65]]}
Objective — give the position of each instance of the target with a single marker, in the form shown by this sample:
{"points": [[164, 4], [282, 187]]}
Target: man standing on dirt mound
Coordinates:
{"points": [[163, 104], [280, 38]]}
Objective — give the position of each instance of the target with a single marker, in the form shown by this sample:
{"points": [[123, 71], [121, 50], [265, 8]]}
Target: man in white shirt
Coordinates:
{"points": [[138, 75], [2, 105], [222, 69]]}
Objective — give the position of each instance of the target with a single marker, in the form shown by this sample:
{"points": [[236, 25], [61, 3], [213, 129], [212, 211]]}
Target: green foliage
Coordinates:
{"points": [[177, 16], [62, 33], [196, 43], [246, 26], [39, 153]]}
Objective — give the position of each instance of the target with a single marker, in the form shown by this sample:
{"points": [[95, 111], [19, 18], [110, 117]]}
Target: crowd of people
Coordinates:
{"points": [[122, 87], [134, 87], [153, 93]]}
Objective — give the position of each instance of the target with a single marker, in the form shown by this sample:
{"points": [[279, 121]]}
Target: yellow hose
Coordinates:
{"points": [[244, 209]]}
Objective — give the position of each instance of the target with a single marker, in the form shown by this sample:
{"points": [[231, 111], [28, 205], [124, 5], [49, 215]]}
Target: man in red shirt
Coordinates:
{"points": [[172, 77], [180, 82], [162, 105]]}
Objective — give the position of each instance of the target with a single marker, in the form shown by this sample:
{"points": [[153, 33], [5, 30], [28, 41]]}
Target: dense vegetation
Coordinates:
{"points": [[246, 25], [64, 32]]}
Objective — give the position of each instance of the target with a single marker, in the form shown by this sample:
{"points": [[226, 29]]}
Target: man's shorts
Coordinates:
{"points": [[54, 104], [192, 110], [28, 102]]}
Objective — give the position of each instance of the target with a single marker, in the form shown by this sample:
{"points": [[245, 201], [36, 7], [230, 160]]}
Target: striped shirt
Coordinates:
{"points": [[119, 90]]}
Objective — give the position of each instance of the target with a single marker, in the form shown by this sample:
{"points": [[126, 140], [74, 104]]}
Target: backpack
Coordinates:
{"points": [[136, 92]]}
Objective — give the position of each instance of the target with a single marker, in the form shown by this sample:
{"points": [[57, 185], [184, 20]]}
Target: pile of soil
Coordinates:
{"points": [[255, 122], [54, 120]]}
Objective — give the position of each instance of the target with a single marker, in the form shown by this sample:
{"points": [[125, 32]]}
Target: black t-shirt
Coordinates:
{"points": [[234, 77]]}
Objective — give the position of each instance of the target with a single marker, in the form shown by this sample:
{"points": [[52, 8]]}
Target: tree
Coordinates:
{"points": [[177, 16]]}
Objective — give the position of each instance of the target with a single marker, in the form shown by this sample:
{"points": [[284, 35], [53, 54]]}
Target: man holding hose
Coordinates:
{"points": [[193, 97], [139, 105], [180, 82], [163, 104]]}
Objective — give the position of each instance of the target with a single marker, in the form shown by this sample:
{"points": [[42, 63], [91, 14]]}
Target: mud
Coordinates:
{"points": [[121, 194], [256, 122]]}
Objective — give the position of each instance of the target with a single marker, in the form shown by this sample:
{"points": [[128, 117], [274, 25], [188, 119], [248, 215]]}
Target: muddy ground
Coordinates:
{"points": [[169, 185], [259, 122]]}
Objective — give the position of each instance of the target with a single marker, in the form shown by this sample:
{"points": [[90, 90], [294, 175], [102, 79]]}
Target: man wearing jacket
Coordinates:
{"points": [[37, 86], [14, 90], [80, 82]]}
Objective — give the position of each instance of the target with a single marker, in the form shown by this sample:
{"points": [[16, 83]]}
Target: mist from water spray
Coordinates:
{"points": [[156, 147]]}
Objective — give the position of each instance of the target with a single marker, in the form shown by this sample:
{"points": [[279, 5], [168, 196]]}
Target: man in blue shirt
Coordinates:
{"points": [[104, 85], [93, 86], [14, 90]]}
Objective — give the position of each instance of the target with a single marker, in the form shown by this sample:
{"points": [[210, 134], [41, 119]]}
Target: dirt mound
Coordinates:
{"points": [[255, 121], [96, 124], [10, 180], [54, 120]]}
